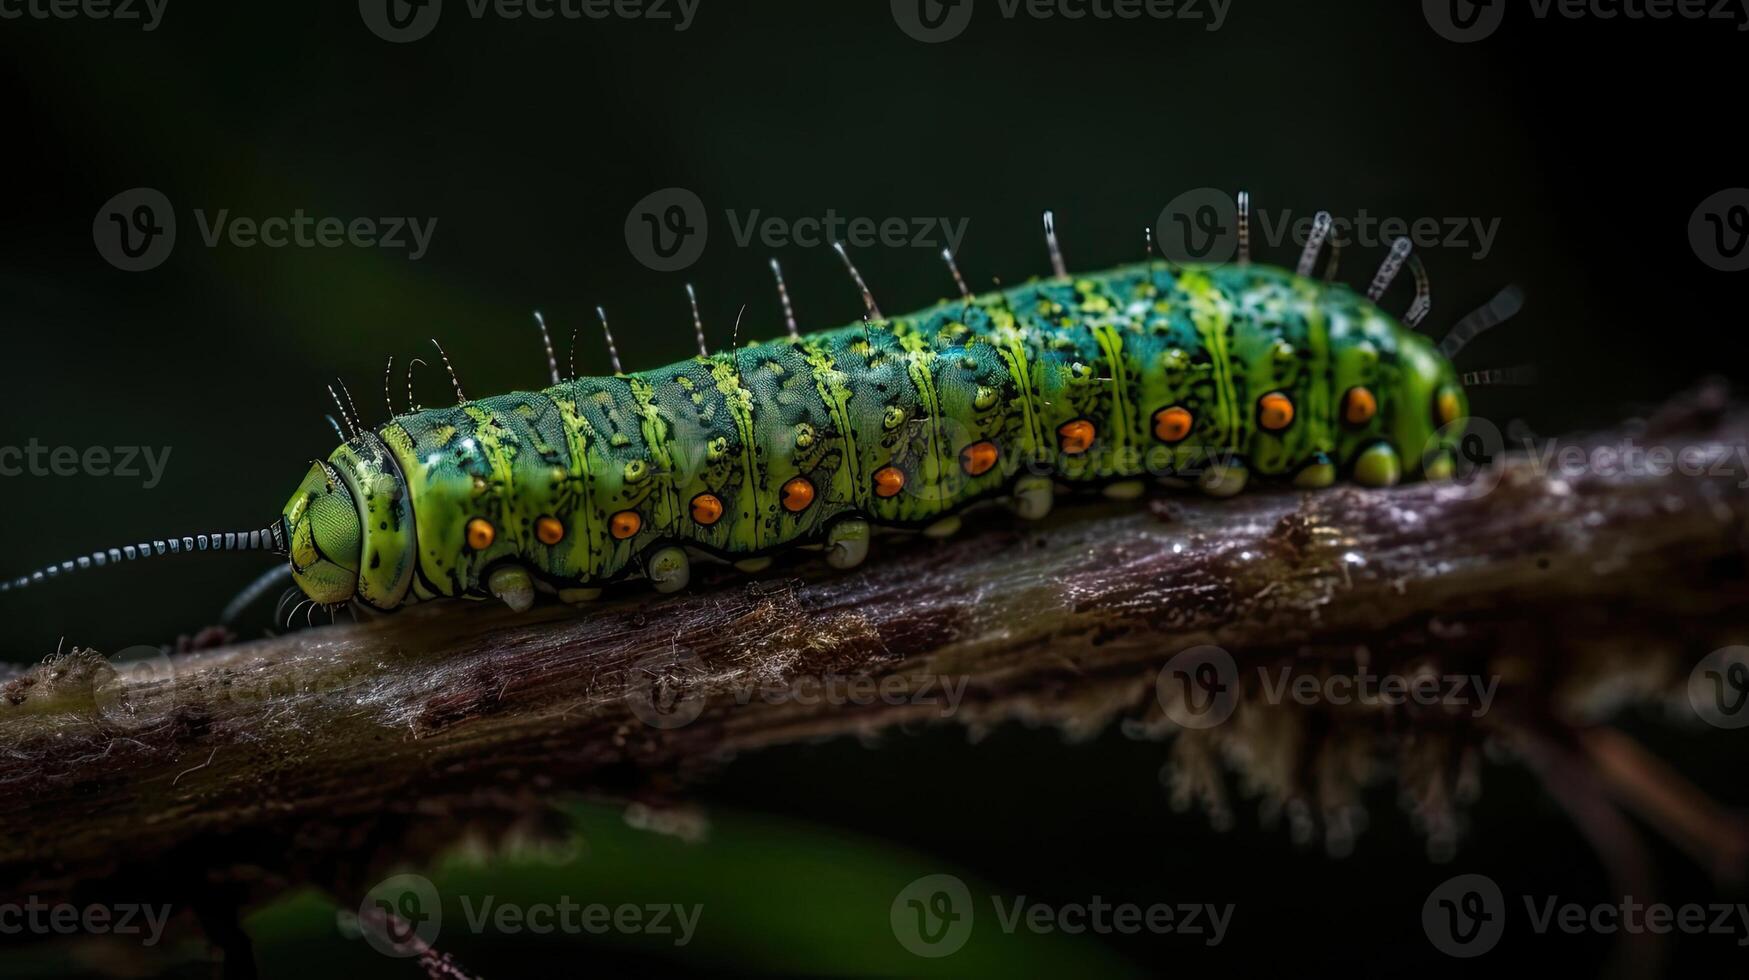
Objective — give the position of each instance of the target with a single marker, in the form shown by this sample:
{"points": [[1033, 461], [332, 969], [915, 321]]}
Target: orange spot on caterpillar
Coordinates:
{"points": [[707, 509], [481, 534], [1446, 405], [625, 524], [1076, 437], [978, 458], [888, 481], [798, 493], [549, 530], [1359, 406], [1173, 424], [1275, 411]]}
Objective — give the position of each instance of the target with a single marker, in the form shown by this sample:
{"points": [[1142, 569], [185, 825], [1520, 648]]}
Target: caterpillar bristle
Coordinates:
{"points": [[412, 405], [697, 321], [546, 341], [389, 399], [269, 539], [460, 396], [338, 434], [789, 313], [1335, 263], [954, 268], [253, 592], [1322, 222], [868, 300], [1521, 374], [357, 419], [1059, 270], [341, 408], [612, 350], [1504, 306], [1423, 304], [1389, 268], [1244, 227]]}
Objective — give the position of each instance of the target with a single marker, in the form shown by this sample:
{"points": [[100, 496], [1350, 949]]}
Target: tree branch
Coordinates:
{"points": [[282, 760]]}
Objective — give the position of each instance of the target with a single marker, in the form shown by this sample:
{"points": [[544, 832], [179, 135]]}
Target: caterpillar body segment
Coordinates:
{"points": [[1212, 374]]}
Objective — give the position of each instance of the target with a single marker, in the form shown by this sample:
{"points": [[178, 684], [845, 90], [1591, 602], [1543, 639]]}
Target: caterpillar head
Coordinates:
{"points": [[324, 536]]}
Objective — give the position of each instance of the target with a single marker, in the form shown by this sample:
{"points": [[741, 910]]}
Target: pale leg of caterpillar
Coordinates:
{"points": [[753, 566], [1440, 467], [847, 543], [1378, 467], [1126, 490], [576, 597], [669, 569], [1032, 497], [1225, 478], [1318, 473], [947, 527], [514, 585]]}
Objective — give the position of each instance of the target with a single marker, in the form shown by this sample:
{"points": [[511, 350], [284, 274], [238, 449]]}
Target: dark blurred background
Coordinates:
{"points": [[528, 141]]}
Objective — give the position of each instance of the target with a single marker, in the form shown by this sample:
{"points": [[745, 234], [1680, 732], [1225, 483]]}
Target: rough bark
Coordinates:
{"points": [[288, 759]]}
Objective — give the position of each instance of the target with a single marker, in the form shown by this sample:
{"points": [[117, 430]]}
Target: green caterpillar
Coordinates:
{"points": [[1211, 374]]}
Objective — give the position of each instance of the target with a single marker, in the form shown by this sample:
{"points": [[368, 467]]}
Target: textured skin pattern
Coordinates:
{"points": [[1062, 378]]}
